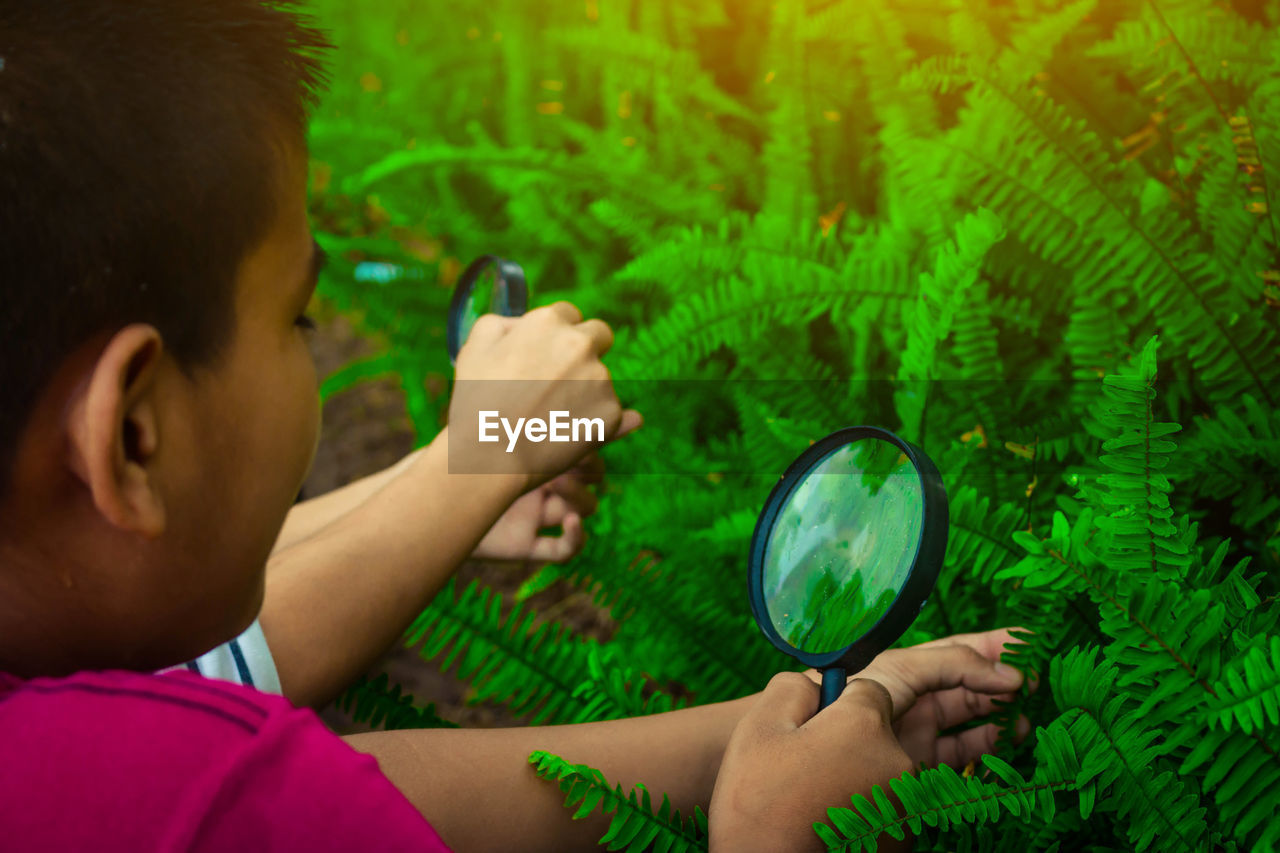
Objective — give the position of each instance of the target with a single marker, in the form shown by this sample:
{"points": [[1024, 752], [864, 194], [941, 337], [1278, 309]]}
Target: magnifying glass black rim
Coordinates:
{"points": [[517, 296], [930, 551]]}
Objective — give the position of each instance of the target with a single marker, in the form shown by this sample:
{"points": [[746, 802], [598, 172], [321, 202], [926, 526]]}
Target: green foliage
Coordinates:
{"points": [[635, 826], [972, 223], [533, 669], [1249, 696], [381, 704], [943, 798], [1139, 534], [940, 296]]}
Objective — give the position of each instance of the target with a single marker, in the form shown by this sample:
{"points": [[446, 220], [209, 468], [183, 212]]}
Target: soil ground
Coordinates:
{"points": [[366, 429]]}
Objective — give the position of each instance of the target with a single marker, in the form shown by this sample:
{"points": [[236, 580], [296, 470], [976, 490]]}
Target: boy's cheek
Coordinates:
{"points": [[314, 424]]}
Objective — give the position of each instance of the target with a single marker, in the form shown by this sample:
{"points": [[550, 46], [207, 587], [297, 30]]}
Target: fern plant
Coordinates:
{"points": [[976, 223], [635, 826]]}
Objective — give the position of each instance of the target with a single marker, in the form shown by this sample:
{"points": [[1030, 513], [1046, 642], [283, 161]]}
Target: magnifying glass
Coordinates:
{"points": [[847, 550], [490, 285]]}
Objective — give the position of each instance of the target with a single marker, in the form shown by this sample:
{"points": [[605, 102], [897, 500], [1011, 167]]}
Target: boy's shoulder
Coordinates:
{"points": [[183, 762], [178, 713]]}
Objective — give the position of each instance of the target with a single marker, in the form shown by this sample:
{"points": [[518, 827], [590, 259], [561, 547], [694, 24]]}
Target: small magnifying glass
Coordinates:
{"points": [[846, 551], [490, 285]]}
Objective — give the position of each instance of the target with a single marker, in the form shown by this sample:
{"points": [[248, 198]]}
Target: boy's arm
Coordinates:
{"points": [[783, 762], [338, 599], [479, 791], [567, 494], [313, 514]]}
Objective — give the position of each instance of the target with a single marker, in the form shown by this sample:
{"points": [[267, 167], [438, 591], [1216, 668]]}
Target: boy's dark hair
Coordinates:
{"points": [[140, 146]]}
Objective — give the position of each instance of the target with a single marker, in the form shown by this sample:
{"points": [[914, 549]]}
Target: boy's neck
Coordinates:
{"points": [[43, 620], [60, 613]]}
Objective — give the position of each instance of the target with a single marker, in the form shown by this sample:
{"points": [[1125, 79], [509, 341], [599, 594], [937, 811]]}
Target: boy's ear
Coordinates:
{"points": [[113, 431]]}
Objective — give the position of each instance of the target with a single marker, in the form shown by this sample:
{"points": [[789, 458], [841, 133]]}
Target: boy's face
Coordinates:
{"points": [[228, 448], [146, 498], [252, 426]]}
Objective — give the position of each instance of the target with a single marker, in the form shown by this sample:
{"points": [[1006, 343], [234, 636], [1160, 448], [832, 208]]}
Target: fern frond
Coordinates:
{"points": [[615, 690], [1140, 535], [383, 705], [1064, 560], [1234, 454], [1241, 770], [637, 51], [744, 281], [530, 166], [705, 634], [942, 798], [1120, 757], [1167, 645], [1249, 694], [788, 151], [880, 32], [679, 601], [1193, 48], [532, 670], [981, 544], [1156, 254], [956, 268], [975, 349], [635, 827]]}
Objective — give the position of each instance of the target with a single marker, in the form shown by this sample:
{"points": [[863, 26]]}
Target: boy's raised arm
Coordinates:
{"points": [[338, 599], [334, 603], [314, 514], [513, 537]]}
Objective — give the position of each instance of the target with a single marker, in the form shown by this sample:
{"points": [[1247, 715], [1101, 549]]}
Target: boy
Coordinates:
{"points": [[159, 416]]}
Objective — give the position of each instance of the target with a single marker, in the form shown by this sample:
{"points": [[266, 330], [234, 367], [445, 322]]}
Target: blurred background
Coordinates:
{"points": [[979, 223]]}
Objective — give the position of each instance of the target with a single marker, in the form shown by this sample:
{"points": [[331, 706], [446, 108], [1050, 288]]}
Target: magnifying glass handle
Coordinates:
{"points": [[832, 686]]}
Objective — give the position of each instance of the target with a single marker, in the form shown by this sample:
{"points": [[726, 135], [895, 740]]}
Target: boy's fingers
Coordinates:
{"points": [[557, 549], [590, 469], [565, 312], [989, 644], [631, 421], [861, 717], [866, 694], [969, 745], [1021, 728], [487, 329], [554, 510], [787, 702], [911, 673], [575, 494], [1033, 681], [947, 708], [599, 332]]}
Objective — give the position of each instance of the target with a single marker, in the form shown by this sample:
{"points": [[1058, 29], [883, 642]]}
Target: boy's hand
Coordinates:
{"points": [[944, 683], [785, 766], [563, 502], [527, 367]]}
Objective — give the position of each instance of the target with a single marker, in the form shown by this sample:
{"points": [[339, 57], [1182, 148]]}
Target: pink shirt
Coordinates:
{"points": [[121, 761]]}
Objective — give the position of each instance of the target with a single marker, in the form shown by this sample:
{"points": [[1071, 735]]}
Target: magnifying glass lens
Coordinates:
{"points": [[490, 285], [843, 545], [487, 296]]}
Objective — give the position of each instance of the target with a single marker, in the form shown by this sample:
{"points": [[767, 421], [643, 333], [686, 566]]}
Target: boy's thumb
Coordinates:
{"points": [[789, 700], [869, 694], [631, 421]]}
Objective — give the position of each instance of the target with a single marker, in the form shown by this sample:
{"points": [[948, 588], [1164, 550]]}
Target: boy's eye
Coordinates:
{"points": [[305, 322]]}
